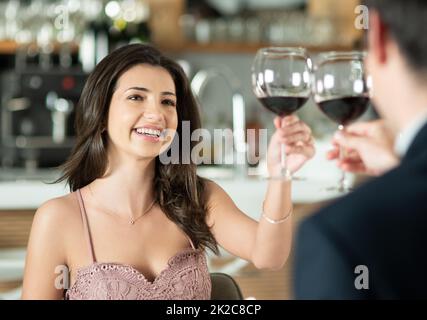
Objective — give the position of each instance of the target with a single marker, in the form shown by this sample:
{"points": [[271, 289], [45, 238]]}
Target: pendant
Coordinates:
{"points": [[132, 221]]}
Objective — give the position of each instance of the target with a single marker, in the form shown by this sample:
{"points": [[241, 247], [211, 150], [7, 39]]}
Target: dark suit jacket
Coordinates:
{"points": [[382, 225]]}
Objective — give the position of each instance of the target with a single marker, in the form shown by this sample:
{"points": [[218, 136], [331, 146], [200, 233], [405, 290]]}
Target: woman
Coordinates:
{"points": [[134, 227]]}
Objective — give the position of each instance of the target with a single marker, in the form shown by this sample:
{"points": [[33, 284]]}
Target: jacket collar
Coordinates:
{"points": [[418, 145]]}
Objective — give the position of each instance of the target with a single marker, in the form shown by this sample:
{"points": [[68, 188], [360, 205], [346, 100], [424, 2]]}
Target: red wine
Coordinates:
{"points": [[283, 106], [344, 110]]}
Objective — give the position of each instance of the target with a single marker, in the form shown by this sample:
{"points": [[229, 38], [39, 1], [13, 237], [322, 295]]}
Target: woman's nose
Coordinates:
{"points": [[153, 114]]}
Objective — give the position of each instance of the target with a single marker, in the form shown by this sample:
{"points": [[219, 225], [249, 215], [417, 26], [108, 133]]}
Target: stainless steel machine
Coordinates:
{"points": [[37, 116]]}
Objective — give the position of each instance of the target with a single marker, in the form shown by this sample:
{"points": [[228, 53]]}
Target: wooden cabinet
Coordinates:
{"points": [[15, 227], [166, 33], [341, 13], [164, 22], [7, 47]]}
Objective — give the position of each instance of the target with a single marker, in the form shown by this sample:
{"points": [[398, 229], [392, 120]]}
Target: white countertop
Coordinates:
{"points": [[248, 194]]}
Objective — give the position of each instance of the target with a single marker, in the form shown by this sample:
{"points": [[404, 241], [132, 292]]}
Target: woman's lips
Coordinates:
{"points": [[148, 134], [149, 131]]}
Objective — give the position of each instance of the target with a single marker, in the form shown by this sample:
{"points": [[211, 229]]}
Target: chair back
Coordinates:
{"points": [[224, 287]]}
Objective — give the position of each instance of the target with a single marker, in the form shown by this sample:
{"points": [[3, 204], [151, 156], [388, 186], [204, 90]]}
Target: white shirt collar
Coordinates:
{"points": [[407, 135]]}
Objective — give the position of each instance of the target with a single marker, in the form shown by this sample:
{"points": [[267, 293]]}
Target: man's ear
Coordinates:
{"points": [[377, 37]]}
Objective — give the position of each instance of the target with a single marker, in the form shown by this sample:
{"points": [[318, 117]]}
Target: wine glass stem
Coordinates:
{"points": [[342, 181]]}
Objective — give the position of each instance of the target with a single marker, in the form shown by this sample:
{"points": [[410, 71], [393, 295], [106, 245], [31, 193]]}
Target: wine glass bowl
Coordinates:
{"points": [[281, 80], [341, 91]]}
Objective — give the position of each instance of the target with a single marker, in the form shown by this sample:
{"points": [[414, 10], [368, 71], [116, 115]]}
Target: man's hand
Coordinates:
{"points": [[368, 148]]}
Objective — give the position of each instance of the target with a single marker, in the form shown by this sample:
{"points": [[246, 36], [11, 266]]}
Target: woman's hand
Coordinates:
{"points": [[299, 145], [368, 148]]}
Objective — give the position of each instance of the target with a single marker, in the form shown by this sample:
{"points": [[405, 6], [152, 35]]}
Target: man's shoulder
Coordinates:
{"points": [[382, 225]]}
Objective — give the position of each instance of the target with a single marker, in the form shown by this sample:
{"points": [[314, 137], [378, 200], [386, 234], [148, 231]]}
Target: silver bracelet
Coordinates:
{"points": [[272, 221]]}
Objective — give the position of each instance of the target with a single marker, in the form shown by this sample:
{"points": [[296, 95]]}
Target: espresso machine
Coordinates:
{"points": [[37, 116]]}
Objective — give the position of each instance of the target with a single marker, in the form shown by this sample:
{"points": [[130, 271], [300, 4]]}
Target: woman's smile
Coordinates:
{"points": [[147, 134]]}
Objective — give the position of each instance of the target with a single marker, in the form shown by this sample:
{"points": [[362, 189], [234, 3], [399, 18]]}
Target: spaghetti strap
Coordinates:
{"points": [[86, 225], [191, 242]]}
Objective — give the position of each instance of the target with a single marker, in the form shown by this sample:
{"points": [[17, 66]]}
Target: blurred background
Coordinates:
{"points": [[47, 49]]}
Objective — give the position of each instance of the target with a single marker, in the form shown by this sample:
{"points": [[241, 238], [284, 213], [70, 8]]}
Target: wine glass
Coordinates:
{"points": [[281, 81], [341, 90]]}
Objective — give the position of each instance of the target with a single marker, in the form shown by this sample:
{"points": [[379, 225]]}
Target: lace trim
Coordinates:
{"points": [[186, 276]]}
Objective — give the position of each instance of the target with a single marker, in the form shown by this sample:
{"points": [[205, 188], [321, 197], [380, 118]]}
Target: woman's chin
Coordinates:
{"points": [[145, 152], [145, 156]]}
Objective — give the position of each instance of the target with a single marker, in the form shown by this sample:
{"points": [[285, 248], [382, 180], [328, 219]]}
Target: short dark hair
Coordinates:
{"points": [[405, 20]]}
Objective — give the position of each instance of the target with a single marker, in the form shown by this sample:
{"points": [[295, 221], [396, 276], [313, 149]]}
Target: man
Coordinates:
{"points": [[372, 243]]}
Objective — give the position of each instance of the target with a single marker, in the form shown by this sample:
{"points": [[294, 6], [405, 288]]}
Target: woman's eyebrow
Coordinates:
{"points": [[138, 88], [166, 93]]}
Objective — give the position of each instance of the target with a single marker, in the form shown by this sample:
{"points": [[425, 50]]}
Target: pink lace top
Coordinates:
{"points": [[185, 277]]}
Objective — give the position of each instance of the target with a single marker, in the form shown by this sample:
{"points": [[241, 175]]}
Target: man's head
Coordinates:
{"points": [[397, 46]]}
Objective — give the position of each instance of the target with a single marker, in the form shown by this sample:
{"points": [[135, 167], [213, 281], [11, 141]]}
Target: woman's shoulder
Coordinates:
{"points": [[215, 193], [54, 227], [213, 189], [60, 211]]}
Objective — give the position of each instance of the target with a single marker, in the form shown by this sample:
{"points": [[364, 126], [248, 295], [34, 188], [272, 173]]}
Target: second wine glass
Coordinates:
{"points": [[281, 82], [341, 90]]}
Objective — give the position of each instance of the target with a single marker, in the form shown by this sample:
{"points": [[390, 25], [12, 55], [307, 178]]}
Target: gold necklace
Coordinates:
{"points": [[132, 220]]}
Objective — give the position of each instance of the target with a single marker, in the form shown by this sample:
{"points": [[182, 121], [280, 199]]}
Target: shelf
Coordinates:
{"points": [[236, 48], [10, 47], [7, 47]]}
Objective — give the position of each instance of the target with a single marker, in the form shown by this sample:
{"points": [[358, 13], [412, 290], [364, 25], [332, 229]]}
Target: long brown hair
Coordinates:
{"points": [[179, 192]]}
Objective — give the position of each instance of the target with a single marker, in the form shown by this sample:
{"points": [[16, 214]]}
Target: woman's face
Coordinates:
{"points": [[142, 107]]}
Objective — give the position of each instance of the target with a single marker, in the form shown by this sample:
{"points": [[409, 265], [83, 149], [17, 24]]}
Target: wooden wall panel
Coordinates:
{"points": [[15, 228]]}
